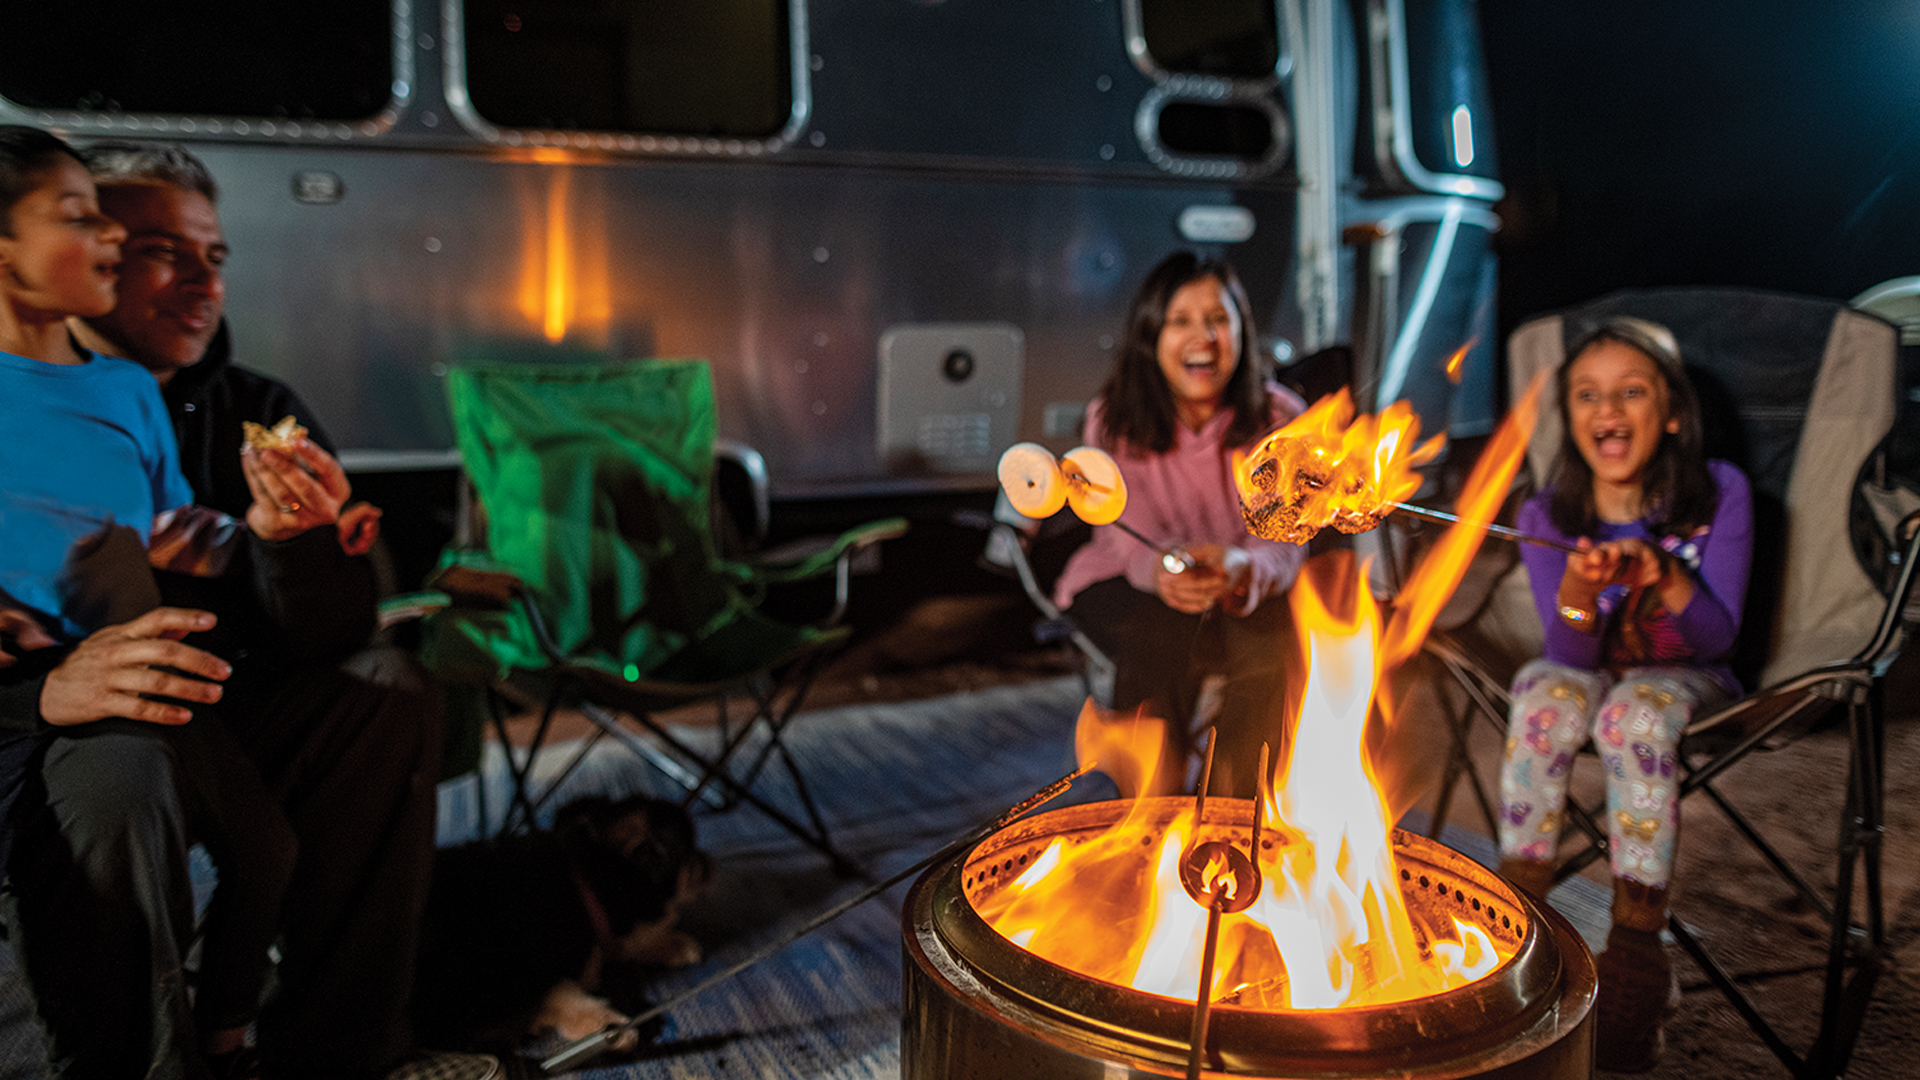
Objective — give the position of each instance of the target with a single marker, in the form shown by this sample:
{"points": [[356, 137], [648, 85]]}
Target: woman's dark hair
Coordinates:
{"points": [[1138, 405], [25, 152], [1678, 493]]}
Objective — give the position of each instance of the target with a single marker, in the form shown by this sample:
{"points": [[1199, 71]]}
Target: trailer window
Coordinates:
{"points": [[1234, 39], [1208, 130], [298, 59], [680, 67]]}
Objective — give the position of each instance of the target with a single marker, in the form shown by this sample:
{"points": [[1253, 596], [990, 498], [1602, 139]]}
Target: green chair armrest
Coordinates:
{"points": [[814, 556]]}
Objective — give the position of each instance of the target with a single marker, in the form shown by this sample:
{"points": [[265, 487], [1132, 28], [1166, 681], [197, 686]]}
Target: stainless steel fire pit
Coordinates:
{"points": [[979, 1006]]}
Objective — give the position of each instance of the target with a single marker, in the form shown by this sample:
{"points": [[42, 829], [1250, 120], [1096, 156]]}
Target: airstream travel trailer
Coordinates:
{"points": [[904, 232]]}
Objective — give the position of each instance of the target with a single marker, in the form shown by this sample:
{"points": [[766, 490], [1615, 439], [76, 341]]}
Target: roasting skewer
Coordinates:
{"points": [[585, 1049], [1497, 530], [1087, 479], [1175, 559], [1222, 880], [1202, 999]]}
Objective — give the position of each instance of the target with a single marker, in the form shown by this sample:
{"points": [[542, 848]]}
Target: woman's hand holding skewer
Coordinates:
{"points": [[1218, 572]]}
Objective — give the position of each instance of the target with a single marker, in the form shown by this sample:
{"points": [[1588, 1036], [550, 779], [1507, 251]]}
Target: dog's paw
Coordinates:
{"points": [[657, 947], [574, 1013]]}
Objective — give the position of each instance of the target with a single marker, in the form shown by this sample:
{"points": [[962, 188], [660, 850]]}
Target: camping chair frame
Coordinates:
{"points": [[1010, 534], [1781, 710], [703, 777], [1764, 343], [626, 563]]}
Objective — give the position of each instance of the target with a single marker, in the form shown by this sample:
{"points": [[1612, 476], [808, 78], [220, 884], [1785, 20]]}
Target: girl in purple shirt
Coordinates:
{"points": [[1187, 390], [1639, 628]]}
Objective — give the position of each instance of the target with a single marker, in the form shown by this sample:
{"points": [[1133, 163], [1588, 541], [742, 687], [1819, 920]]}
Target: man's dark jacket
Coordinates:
{"points": [[281, 604]]}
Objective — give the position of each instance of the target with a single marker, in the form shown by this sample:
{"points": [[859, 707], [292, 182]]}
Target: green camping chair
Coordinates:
{"points": [[599, 578]]}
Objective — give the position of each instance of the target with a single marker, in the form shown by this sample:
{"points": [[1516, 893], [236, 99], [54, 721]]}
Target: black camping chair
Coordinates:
{"points": [[1011, 541], [1798, 392], [598, 583]]}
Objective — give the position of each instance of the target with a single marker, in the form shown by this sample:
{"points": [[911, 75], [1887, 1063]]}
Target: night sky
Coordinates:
{"points": [[1762, 143]]}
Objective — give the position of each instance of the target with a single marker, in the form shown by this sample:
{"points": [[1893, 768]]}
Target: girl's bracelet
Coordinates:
{"points": [[1583, 619]]}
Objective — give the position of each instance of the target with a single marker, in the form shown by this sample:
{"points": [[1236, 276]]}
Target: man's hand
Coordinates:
{"points": [[359, 528], [294, 490], [23, 632], [112, 672]]}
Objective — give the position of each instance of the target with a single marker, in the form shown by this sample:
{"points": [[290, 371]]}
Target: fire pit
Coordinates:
{"points": [[1298, 935], [979, 1005]]}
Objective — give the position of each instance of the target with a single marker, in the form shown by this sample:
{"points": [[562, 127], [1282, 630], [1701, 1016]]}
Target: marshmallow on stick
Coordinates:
{"points": [[1329, 468]]}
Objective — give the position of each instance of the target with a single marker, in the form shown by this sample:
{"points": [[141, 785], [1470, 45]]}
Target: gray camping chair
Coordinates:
{"points": [[1798, 392], [1010, 540]]}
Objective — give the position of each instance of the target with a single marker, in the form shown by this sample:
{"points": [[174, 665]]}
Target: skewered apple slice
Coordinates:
{"points": [[1031, 478], [1094, 487]]}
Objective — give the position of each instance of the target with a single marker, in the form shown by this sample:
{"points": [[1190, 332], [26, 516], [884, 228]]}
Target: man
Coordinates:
{"points": [[349, 747]]}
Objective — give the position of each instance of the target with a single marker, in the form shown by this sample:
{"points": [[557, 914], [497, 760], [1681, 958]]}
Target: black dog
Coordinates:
{"points": [[521, 931]]}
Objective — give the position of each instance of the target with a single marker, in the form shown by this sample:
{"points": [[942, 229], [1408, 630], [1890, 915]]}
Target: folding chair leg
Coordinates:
{"points": [[1874, 795], [764, 693], [1460, 763], [1723, 982], [697, 787], [800, 788], [1843, 1005], [1843, 1002], [1779, 863], [1459, 753], [521, 798], [534, 804], [816, 840], [702, 787], [520, 772], [731, 742], [776, 720]]}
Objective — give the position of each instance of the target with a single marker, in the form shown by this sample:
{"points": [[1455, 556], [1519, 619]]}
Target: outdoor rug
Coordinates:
{"points": [[896, 782]]}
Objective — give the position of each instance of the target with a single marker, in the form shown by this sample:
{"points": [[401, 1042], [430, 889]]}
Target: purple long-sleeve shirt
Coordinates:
{"points": [[1184, 496], [1701, 635]]}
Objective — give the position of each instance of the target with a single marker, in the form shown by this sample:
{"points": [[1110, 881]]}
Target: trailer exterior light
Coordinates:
{"points": [[1462, 136]]}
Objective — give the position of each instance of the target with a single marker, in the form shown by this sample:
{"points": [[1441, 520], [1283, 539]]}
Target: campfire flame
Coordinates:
{"points": [[1327, 468], [1456, 365], [1330, 926]]}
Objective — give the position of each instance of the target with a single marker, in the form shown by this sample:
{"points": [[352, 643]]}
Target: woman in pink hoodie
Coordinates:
{"points": [[1188, 389]]}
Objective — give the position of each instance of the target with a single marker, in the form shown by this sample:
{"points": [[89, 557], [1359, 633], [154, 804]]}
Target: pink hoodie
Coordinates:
{"points": [[1185, 496]]}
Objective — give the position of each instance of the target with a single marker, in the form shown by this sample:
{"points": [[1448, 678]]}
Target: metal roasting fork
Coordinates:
{"points": [[1497, 530], [1219, 900], [582, 1050]]}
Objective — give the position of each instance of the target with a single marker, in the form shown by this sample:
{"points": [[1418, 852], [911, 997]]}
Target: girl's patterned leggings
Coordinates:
{"points": [[1635, 723]]}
